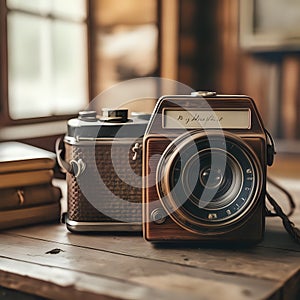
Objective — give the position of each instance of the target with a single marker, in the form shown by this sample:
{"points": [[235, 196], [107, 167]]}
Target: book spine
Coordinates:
{"points": [[20, 197], [20, 179], [26, 165], [33, 215]]}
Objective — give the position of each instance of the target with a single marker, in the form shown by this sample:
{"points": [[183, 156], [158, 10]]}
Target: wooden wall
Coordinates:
{"points": [[210, 58]]}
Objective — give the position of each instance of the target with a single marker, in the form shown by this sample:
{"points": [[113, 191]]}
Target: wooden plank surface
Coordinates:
{"points": [[103, 262], [256, 272], [256, 261], [127, 267]]}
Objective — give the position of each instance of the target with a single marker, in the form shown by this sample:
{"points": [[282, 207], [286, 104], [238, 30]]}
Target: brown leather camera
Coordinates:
{"points": [[204, 168]]}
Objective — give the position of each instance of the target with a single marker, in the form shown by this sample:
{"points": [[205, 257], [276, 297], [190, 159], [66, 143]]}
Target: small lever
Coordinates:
{"points": [[135, 149]]}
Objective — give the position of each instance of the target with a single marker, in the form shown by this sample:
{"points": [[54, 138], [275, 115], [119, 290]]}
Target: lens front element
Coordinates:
{"points": [[211, 178]]}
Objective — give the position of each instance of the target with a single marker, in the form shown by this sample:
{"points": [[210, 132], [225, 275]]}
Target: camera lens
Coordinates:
{"points": [[219, 179], [208, 180]]}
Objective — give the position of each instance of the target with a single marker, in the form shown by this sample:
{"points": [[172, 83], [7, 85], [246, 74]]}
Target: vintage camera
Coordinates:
{"points": [[204, 169], [103, 159]]}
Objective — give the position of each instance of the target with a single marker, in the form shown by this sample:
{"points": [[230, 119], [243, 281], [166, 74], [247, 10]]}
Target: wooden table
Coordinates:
{"points": [[48, 261]]}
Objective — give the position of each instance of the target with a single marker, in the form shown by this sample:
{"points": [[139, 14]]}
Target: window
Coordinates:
{"points": [[57, 55], [46, 58]]}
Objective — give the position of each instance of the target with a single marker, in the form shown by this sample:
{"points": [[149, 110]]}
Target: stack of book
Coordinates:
{"points": [[27, 195]]}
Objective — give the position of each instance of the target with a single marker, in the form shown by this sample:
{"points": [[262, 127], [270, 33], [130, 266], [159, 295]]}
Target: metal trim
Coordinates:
{"points": [[76, 226]]}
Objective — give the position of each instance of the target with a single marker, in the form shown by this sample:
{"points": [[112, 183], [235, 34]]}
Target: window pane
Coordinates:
{"points": [[27, 79], [69, 66], [74, 9], [46, 66]]}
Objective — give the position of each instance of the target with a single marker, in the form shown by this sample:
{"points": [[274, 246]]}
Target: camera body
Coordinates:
{"points": [[205, 160], [103, 157]]}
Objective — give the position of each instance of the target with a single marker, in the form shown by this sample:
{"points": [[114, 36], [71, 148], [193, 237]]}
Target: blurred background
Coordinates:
{"points": [[58, 55]]}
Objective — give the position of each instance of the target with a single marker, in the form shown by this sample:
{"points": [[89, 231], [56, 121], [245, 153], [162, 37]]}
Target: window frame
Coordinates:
{"points": [[5, 119]]}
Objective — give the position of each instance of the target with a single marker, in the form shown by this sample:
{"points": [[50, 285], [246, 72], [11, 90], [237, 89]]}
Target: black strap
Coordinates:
{"points": [[288, 225], [288, 196], [60, 153]]}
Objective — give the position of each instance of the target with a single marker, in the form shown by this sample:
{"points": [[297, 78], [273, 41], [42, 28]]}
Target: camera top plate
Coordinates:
{"points": [[113, 124], [207, 110]]}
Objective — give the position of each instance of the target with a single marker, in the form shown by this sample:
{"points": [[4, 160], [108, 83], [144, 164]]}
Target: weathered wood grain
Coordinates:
{"points": [[131, 269], [58, 283], [256, 262]]}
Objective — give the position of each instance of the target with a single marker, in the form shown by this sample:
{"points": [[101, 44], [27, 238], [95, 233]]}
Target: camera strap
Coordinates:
{"points": [[278, 212]]}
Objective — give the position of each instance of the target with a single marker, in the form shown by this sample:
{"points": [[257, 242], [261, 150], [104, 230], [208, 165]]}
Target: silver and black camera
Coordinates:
{"points": [[103, 157], [204, 169]]}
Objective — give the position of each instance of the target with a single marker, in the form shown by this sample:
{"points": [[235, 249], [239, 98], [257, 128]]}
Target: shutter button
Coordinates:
{"points": [[88, 115]]}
